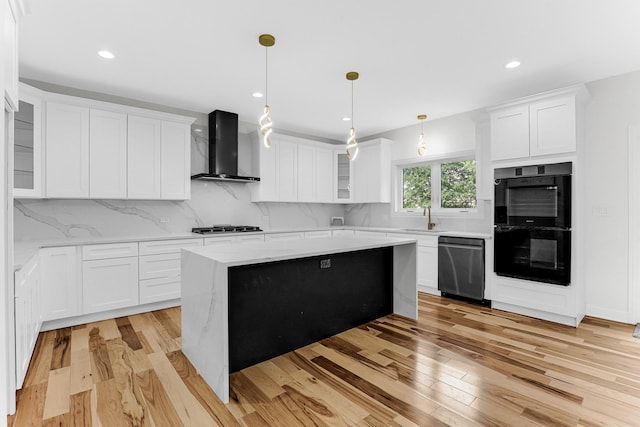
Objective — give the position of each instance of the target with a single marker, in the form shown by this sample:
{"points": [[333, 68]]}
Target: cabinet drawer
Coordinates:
{"points": [[208, 241], [162, 289], [319, 233], [284, 236], [110, 250], [156, 266], [370, 233], [251, 238], [168, 246], [344, 232], [427, 241]]}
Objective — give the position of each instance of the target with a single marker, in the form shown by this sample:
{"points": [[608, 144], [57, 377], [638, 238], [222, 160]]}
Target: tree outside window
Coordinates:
{"points": [[458, 185], [416, 187]]}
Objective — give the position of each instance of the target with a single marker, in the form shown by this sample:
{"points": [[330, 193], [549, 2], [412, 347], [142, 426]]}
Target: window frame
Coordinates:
{"points": [[436, 179]]}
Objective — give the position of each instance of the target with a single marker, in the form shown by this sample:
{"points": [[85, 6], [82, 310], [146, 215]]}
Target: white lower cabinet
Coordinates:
{"points": [[60, 290], [159, 269], [370, 233], [316, 234], [109, 284], [284, 236], [428, 266], [342, 232], [27, 315]]}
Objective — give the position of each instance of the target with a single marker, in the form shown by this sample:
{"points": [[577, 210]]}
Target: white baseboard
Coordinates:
{"points": [[609, 314], [538, 314], [96, 317]]}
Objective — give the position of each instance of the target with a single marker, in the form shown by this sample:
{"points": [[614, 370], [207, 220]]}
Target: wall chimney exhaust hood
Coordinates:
{"points": [[223, 149]]}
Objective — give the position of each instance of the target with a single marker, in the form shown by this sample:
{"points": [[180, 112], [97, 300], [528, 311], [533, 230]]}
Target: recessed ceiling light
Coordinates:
{"points": [[257, 94], [346, 119], [106, 54], [198, 130], [512, 64]]}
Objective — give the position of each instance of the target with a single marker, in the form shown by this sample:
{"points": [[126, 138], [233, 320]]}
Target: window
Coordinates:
{"points": [[445, 185], [458, 185]]}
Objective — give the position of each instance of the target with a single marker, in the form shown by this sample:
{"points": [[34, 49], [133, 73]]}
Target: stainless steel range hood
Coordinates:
{"points": [[223, 149]]}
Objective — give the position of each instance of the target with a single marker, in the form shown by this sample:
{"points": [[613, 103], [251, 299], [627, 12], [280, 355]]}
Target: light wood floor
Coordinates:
{"points": [[459, 364]]}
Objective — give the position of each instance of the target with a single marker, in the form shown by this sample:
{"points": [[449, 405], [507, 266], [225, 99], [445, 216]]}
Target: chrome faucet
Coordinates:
{"points": [[430, 224]]}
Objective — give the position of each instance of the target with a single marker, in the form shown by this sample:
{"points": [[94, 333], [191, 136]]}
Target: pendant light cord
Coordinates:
{"points": [[266, 75], [353, 119]]}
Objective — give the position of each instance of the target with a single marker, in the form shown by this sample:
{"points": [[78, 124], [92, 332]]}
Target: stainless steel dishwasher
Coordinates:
{"points": [[461, 267]]}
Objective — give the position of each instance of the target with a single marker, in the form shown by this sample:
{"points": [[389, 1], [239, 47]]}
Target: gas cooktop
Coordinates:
{"points": [[225, 229]]}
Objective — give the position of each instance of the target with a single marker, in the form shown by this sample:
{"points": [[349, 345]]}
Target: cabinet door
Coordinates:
{"points": [[21, 313], [27, 169], [67, 151], [287, 171], [10, 54], [510, 133], [175, 170], [553, 126], [428, 269], [59, 283], [107, 155], [143, 157], [342, 177], [323, 180], [108, 284], [268, 187], [365, 176], [306, 173]]}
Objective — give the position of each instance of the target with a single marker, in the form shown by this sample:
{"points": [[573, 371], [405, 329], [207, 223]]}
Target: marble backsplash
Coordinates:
{"points": [[212, 202]]}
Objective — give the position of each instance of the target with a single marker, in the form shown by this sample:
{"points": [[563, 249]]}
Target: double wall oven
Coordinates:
{"points": [[532, 223]]}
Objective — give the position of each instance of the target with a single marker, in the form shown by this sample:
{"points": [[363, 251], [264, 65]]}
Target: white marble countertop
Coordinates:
{"points": [[274, 250], [23, 250]]}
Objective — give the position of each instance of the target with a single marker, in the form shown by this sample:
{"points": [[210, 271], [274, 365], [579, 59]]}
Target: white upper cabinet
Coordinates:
{"points": [[540, 125], [553, 126], [28, 167], [144, 139], [372, 172], [107, 155], [306, 174], [67, 151], [287, 171], [10, 52], [175, 156], [510, 133], [323, 174], [342, 177]]}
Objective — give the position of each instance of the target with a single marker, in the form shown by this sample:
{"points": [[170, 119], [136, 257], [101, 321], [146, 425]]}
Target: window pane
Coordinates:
{"points": [[416, 187], [458, 184]]}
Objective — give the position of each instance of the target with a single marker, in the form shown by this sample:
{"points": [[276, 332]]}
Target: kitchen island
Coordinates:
{"points": [[242, 304]]}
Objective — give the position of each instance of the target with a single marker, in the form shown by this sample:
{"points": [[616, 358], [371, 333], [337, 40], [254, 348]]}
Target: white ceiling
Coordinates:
{"points": [[414, 56]]}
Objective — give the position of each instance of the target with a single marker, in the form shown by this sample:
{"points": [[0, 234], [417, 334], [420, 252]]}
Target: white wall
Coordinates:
{"points": [[444, 136], [613, 107]]}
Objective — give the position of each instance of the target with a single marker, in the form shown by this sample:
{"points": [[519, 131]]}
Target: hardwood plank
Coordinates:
{"points": [[128, 334], [40, 366], [81, 409], [61, 354], [109, 408], [123, 380], [167, 322], [81, 373], [100, 363], [33, 398], [187, 406], [57, 397], [156, 400]]}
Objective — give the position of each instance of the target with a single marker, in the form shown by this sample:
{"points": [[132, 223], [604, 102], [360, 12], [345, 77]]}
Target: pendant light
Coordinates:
{"points": [[265, 122], [352, 143], [422, 146]]}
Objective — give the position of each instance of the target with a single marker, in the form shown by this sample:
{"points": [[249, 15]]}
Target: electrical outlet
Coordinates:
{"points": [[164, 219], [325, 263]]}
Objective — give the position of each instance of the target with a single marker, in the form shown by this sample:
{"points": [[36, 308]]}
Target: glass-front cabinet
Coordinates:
{"points": [[27, 165], [343, 178]]}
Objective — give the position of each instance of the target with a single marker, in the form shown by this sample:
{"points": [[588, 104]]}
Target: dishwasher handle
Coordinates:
{"points": [[467, 247]]}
